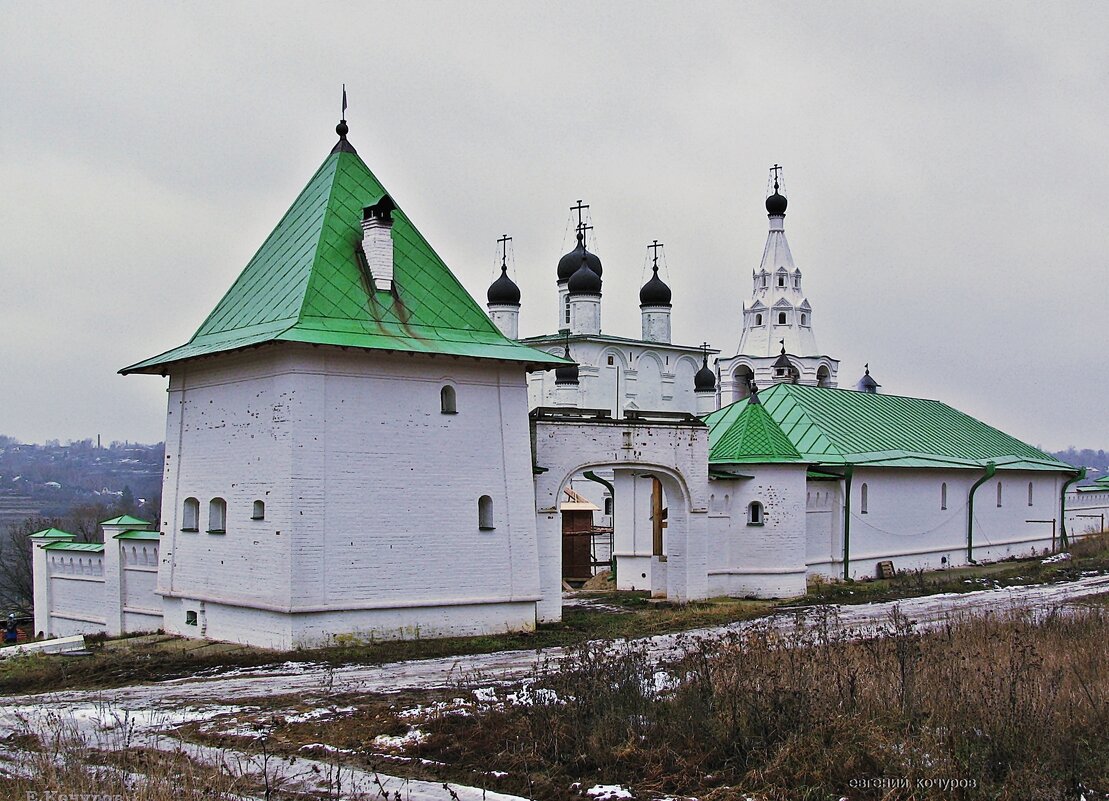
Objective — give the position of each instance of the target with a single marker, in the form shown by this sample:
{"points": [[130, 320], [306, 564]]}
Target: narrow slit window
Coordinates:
{"points": [[998, 494], [190, 515], [217, 516], [259, 511], [863, 499], [943, 495], [755, 516], [566, 311], [448, 400], [485, 513], [1029, 493]]}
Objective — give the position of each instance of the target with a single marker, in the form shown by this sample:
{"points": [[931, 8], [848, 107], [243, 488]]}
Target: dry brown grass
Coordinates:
{"points": [[1016, 704]]}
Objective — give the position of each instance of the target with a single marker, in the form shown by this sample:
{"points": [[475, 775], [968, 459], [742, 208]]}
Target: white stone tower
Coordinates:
{"points": [[777, 323]]}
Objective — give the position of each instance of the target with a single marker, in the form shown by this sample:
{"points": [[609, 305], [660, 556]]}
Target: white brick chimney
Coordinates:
{"points": [[377, 242]]}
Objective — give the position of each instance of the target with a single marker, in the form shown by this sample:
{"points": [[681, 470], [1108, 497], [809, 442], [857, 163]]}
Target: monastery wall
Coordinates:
{"points": [[907, 519], [1086, 512], [767, 559], [76, 592]]}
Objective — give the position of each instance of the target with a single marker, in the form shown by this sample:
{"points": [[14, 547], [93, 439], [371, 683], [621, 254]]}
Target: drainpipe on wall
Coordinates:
{"points": [[611, 537], [991, 468], [1063, 541], [847, 473]]}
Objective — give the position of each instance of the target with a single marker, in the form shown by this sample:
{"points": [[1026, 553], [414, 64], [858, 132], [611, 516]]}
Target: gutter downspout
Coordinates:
{"points": [[848, 471], [1063, 541], [991, 468], [611, 537]]}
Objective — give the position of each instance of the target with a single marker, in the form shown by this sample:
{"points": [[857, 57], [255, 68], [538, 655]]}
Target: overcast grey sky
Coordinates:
{"points": [[946, 164]]}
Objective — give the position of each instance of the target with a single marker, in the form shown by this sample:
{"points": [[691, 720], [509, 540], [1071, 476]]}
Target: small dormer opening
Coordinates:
{"points": [[804, 319], [781, 280]]}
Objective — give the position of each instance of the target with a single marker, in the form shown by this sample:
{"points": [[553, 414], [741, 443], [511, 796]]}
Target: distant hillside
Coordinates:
{"points": [[1095, 462], [52, 478]]}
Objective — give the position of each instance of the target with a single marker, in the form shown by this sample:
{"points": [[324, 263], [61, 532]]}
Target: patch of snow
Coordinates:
{"points": [[609, 792], [325, 747], [456, 706], [411, 737], [485, 695], [1059, 557], [527, 696], [318, 714]]}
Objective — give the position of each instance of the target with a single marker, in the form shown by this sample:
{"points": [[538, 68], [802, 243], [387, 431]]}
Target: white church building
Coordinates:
{"points": [[354, 447]]}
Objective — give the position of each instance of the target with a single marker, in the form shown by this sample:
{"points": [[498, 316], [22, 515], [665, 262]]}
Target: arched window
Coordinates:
{"points": [[943, 495], [863, 499], [448, 400], [1029, 493], [259, 511], [217, 516], [485, 513], [804, 319], [998, 494], [190, 515], [781, 318], [608, 506], [754, 514], [758, 319]]}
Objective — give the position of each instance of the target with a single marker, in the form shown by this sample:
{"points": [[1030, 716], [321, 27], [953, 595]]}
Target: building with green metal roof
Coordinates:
{"points": [[886, 477], [347, 432]]}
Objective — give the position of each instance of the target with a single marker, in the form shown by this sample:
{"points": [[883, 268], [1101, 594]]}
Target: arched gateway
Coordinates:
{"points": [[645, 451]]}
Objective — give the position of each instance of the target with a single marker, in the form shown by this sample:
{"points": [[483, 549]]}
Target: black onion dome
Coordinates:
{"points": [[584, 281], [567, 374], [705, 380], [655, 292], [504, 291], [568, 264], [776, 204]]}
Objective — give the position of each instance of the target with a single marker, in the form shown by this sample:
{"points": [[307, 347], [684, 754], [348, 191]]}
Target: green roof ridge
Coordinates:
{"points": [[839, 426], [753, 437], [125, 520], [305, 284], [54, 533]]}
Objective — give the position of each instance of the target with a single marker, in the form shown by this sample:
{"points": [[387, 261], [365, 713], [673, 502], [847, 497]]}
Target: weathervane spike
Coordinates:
{"points": [[344, 115]]}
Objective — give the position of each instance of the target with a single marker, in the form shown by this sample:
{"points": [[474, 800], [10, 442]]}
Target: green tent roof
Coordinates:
{"points": [[752, 437], [839, 426], [125, 520], [54, 533], [306, 284], [135, 534]]}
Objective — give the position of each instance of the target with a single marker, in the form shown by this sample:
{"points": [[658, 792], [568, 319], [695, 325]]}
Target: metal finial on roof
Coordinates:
{"points": [[343, 146], [783, 345], [867, 368], [503, 242], [775, 169], [754, 396]]}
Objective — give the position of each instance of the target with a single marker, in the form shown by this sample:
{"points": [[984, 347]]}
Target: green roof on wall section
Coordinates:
{"points": [[306, 284], [95, 547], [125, 520], [54, 533], [136, 534], [753, 436], [839, 426]]}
